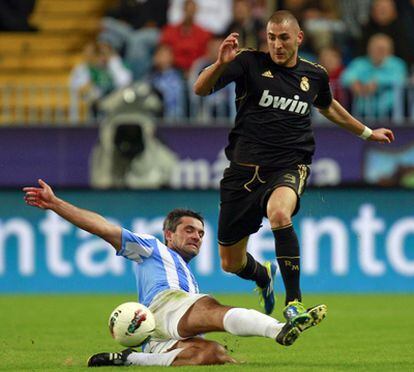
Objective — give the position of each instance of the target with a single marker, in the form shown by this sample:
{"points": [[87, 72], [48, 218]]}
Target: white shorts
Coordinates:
{"points": [[168, 307]]}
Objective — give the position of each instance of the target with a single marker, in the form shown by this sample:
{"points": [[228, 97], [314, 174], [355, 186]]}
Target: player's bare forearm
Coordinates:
{"points": [[89, 221], [208, 78], [44, 198], [340, 116]]}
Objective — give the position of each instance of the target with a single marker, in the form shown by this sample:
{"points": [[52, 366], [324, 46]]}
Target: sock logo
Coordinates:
{"points": [[292, 267]]}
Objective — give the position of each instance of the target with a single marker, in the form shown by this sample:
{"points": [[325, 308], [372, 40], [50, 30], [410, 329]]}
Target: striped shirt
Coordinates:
{"points": [[156, 266]]}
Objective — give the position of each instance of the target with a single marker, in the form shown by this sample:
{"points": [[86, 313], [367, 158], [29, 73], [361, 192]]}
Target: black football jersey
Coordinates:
{"points": [[273, 126]]}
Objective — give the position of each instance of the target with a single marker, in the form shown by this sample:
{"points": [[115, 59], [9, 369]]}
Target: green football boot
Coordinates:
{"points": [[299, 319], [314, 315], [267, 294]]}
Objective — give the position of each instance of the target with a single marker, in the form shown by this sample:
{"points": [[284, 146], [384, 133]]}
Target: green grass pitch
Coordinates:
{"points": [[360, 333]]}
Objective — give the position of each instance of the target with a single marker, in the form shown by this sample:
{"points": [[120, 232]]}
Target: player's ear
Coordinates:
{"points": [[167, 236], [300, 37]]}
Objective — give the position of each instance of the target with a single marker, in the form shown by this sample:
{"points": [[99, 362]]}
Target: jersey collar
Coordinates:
{"points": [[282, 67]]}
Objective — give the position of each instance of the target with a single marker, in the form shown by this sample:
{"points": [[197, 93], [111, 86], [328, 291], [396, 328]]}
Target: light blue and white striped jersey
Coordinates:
{"points": [[156, 266]]}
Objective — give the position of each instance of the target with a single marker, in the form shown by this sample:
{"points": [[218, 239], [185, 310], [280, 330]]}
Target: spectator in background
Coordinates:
{"points": [[132, 29], [384, 19], [14, 15], [101, 72], [321, 22], [331, 59], [261, 8], [168, 81], [213, 15], [375, 78], [187, 40], [312, 14], [354, 14], [251, 30]]}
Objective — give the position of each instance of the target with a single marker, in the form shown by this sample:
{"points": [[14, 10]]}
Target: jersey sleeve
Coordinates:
{"points": [[236, 69], [137, 247], [324, 97]]}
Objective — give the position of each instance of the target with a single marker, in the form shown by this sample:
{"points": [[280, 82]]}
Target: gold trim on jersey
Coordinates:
{"points": [[282, 227], [244, 50], [303, 175], [307, 61], [237, 53], [313, 64], [245, 93], [242, 97]]}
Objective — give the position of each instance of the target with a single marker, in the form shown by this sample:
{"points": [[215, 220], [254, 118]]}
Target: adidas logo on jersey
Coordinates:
{"points": [[267, 74], [283, 103]]}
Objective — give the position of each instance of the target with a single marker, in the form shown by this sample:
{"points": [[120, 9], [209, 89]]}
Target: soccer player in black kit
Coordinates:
{"points": [[270, 149]]}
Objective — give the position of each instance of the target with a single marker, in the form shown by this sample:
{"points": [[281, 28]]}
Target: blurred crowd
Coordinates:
{"points": [[367, 47]]}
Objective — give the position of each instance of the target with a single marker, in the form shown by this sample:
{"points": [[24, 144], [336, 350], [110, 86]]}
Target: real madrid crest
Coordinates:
{"points": [[304, 84]]}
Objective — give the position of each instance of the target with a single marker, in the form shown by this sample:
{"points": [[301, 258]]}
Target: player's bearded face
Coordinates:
{"points": [[187, 238], [283, 41]]}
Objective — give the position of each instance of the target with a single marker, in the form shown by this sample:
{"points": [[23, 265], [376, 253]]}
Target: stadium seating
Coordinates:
{"points": [[35, 67]]}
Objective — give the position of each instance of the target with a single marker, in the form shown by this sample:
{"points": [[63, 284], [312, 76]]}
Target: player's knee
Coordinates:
{"points": [[279, 217]]}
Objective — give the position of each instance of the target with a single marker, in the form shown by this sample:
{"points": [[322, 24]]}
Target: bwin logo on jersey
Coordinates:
{"points": [[283, 103]]}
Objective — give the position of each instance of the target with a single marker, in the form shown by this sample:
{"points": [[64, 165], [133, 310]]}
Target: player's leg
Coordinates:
{"points": [[198, 351], [239, 217], [129, 357], [208, 315], [234, 256], [280, 207], [192, 351], [235, 259]]}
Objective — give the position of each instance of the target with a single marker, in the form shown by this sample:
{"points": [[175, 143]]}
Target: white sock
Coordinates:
{"points": [[247, 322], [152, 359]]}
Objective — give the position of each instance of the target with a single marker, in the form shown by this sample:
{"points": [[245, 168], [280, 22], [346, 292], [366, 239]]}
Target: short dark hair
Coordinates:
{"points": [[173, 218], [281, 16]]}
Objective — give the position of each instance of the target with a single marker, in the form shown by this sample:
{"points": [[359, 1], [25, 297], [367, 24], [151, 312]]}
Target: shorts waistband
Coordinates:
{"points": [[264, 168], [253, 167]]}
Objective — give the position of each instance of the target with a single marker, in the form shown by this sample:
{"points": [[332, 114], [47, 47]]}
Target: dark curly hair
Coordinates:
{"points": [[173, 218]]}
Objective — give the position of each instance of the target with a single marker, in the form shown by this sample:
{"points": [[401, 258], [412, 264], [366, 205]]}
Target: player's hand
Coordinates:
{"points": [[382, 135], [41, 197], [228, 49]]}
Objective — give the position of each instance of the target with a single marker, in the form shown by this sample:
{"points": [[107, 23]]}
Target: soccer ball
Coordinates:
{"points": [[131, 324]]}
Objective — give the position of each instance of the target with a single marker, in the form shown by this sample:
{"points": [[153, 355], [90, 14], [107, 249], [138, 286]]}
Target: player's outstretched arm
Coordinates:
{"points": [[209, 76], [340, 116], [43, 197]]}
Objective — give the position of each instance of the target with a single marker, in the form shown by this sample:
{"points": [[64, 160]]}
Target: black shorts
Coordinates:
{"points": [[244, 192]]}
